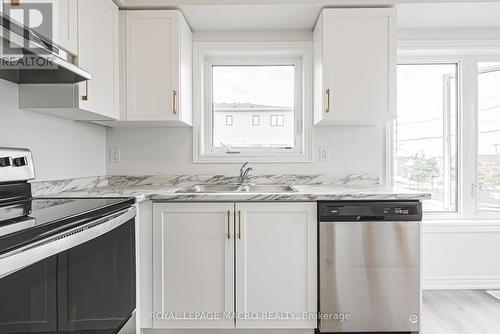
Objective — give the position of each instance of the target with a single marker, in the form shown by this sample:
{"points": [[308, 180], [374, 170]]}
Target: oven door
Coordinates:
{"points": [[88, 288]]}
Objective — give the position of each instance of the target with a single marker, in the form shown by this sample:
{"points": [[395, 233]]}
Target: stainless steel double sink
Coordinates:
{"points": [[229, 188]]}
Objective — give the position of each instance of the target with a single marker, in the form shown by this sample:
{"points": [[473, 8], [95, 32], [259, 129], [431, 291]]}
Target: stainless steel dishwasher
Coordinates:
{"points": [[369, 262]]}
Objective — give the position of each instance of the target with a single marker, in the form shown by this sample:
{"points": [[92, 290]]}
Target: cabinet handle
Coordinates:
{"points": [[239, 224], [174, 107], [328, 100], [86, 96], [228, 224]]}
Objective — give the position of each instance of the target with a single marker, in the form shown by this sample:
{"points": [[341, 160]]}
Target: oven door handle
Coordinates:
{"points": [[22, 257]]}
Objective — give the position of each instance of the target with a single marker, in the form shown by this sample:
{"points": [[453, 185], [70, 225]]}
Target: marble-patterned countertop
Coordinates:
{"points": [[163, 188]]}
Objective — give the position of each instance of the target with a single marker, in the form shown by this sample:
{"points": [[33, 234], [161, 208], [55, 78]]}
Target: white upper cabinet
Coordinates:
{"points": [[355, 66], [98, 54], [158, 67], [193, 262], [276, 263], [64, 21], [95, 99]]}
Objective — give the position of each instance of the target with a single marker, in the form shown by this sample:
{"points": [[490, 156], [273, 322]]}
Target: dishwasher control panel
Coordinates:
{"points": [[370, 211]]}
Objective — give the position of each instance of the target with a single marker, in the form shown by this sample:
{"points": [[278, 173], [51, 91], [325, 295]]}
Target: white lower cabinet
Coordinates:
{"points": [[276, 264], [193, 263], [256, 261]]}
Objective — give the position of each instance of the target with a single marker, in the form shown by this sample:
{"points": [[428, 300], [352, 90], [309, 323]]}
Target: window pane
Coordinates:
{"points": [[488, 163], [252, 94], [256, 120], [426, 133]]}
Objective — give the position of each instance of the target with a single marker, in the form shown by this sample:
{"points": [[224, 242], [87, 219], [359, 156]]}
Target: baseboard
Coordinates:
{"points": [[461, 283]]}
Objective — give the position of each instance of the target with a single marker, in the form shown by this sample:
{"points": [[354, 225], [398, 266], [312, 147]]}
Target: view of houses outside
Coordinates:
{"points": [[252, 125], [489, 136], [253, 106]]}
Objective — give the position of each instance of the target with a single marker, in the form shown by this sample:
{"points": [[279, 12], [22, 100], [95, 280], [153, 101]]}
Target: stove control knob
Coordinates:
{"points": [[5, 161], [20, 161]]}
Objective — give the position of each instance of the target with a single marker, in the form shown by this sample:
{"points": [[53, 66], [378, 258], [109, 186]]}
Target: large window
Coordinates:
{"points": [[425, 147], [488, 137], [446, 138]]}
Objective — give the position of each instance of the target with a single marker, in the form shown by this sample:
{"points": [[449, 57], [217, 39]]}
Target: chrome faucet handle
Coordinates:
{"points": [[244, 177], [243, 173], [243, 167]]}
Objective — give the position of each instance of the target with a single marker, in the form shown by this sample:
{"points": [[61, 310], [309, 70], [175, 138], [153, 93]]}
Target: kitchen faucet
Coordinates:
{"points": [[244, 171]]}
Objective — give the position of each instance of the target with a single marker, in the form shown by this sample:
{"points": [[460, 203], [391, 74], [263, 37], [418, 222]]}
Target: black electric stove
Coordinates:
{"points": [[67, 265], [25, 221]]}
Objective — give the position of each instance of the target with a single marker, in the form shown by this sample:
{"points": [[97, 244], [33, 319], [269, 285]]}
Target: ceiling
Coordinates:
{"points": [[245, 17], [239, 15], [449, 15]]}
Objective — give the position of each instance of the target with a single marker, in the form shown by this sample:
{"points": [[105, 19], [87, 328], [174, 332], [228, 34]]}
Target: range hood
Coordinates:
{"points": [[28, 57]]}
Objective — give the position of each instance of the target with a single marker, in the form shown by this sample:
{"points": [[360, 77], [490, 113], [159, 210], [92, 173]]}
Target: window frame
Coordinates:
{"points": [[229, 117], [277, 117], [475, 60], [209, 54], [255, 117], [467, 136]]}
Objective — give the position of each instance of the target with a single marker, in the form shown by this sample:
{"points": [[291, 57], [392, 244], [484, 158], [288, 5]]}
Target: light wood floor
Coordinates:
{"points": [[460, 312]]}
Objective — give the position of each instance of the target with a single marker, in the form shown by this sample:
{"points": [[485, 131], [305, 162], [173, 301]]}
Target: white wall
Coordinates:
{"points": [[461, 255], [61, 148], [170, 151]]}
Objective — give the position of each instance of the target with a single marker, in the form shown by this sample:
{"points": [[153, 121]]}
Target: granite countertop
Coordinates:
{"points": [[163, 188]]}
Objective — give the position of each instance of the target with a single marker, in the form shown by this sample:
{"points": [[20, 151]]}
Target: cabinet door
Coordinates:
{"points": [[193, 263], [29, 299], [63, 26], [67, 25], [356, 54], [98, 54], [152, 65], [276, 263]]}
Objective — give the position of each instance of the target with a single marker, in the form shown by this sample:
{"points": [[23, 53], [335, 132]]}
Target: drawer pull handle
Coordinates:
{"points": [[86, 96]]}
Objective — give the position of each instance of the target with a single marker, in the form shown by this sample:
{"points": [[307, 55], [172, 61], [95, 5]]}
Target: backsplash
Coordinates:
{"points": [[57, 186]]}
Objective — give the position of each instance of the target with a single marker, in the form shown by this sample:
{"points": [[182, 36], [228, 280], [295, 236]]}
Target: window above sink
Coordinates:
{"points": [[253, 102]]}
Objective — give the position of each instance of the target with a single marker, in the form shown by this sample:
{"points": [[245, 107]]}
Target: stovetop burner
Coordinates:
{"points": [[28, 220], [24, 219]]}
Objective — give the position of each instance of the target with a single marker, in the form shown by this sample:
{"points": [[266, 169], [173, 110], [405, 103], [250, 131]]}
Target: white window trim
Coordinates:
{"points": [[277, 118], [415, 52], [229, 117], [255, 117], [207, 54]]}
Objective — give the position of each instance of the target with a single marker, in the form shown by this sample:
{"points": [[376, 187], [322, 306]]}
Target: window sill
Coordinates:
{"points": [[255, 158]]}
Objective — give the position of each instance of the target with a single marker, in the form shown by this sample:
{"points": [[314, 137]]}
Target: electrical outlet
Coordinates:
{"points": [[114, 155], [323, 154]]}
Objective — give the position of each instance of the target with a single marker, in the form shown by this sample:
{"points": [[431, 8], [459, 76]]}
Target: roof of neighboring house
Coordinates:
{"points": [[248, 107]]}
